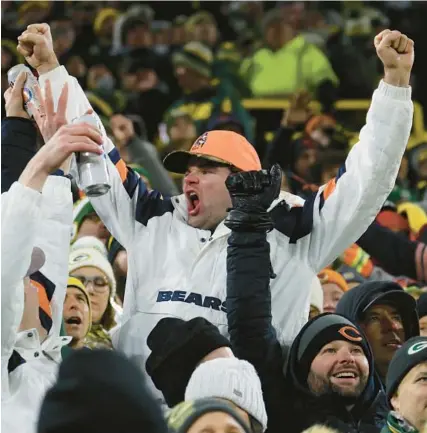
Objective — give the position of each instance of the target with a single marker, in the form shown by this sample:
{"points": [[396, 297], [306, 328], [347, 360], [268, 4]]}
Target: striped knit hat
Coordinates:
{"points": [[195, 56]]}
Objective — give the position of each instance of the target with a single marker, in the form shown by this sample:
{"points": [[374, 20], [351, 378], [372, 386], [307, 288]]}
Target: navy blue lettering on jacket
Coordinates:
{"points": [[191, 298]]}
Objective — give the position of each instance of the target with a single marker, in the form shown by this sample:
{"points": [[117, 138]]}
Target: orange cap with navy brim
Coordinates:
{"points": [[226, 147]]}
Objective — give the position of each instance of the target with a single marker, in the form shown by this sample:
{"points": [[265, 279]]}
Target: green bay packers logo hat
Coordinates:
{"points": [[412, 353]]}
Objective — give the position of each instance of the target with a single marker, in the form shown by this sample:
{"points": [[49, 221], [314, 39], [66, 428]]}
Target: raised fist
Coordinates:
{"points": [[396, 52], [252, 193], [36, 45]]}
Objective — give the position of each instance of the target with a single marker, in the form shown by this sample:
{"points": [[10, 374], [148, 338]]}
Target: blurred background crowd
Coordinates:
{"points": [[180, 68]]}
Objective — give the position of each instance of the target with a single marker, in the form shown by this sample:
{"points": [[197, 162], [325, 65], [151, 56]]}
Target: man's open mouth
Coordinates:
{"points": [[193, 203]]}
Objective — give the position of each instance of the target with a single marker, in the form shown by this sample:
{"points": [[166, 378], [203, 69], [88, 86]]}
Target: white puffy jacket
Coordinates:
{"points": [[180, 271], [28, 366]]}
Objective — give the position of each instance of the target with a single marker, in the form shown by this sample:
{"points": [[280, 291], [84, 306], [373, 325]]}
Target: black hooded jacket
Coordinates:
{"points": [[354, 302], [290, 407]]}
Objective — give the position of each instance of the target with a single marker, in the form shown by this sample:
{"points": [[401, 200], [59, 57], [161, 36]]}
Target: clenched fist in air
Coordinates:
{"points": [[396, 51]]}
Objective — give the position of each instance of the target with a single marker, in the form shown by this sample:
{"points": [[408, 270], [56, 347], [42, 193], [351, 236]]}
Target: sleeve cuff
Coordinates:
{"points": [[398, 93], [59, 73]]}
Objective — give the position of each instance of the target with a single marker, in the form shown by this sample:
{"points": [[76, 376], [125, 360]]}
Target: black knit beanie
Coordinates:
{"points": [[177, 348], [99, 391], [323, 330]]}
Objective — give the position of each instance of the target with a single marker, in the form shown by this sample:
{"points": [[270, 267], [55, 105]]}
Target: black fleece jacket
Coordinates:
{"points": [[253, 338], [18, 146]]}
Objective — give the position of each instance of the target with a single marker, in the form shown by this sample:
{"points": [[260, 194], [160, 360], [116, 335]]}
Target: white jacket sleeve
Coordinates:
{"points": [[344, 208], [53, 237], [20, 214], [128, 201]]}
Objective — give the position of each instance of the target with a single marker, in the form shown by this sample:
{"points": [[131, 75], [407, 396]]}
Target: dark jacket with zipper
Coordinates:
{"points": [[290, 405], [18, 146]]}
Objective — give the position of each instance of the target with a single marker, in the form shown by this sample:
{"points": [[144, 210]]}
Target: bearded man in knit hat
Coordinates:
{"points": [[177, 246]]}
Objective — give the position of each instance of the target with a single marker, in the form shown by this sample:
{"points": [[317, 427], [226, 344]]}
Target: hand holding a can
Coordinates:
{"points": [[14, 98], [80, 137]]}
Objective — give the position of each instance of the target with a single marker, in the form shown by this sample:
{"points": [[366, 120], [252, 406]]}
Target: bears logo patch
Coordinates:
{"points": [[200, 142]]}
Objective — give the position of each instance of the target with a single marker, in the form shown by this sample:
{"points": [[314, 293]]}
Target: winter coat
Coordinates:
{"points": [[19, 145], [28, 365], [288, 401], [177, 270]]}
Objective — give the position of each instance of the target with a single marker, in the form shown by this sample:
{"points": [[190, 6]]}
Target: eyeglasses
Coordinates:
{"points": [[100, 284]]}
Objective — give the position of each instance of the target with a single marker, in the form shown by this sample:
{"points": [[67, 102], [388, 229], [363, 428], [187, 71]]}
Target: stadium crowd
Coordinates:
{"points": [[248, 270]]}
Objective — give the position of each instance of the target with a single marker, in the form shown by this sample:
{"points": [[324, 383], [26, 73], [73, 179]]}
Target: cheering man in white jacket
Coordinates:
{"points": [[36, 227], [177, 246]]}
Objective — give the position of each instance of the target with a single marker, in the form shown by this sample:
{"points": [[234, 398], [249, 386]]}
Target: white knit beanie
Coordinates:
{"points": [[316, 294], [232, 379], [89, 242], [82, 257]]}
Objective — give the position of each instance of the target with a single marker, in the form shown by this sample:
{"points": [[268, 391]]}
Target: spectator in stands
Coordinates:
{"points": [[315, 231], [87, 222], [138, 150], [203, 98], [351, 276], [287, 64], [330, 372], [36, 224], [387, 316], [184, 354], [103, 27], [334, 286], [64, 35], [402, 190], [99, 391], [422, 314], [316, 300], [406, 390], [202, 27], [77, 313], [91, 267], [146, 92], [208, 414]]}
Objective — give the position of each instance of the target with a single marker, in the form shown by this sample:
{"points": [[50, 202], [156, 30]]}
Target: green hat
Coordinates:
{"points": [[82, 209], [195, 56]]}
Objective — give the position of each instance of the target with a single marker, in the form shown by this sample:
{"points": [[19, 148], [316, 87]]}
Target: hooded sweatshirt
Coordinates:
{"points": [[354, 302], [29, 365]]}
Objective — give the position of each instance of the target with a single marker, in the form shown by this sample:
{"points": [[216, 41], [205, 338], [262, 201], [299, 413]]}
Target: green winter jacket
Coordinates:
{"points": [[218, 99]]}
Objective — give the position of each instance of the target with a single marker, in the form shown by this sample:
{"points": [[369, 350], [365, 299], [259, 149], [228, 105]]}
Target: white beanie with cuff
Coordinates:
{"points": [[232, 379]]}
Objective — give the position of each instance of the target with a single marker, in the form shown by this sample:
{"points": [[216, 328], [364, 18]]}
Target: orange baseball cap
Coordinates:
{"points": [[330, 276], [226, 147]]}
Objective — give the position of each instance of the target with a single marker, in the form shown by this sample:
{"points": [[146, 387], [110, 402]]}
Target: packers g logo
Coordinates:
{"points": [[350, 333], [417, 347]]}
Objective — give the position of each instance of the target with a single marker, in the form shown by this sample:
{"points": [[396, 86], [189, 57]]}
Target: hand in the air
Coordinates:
{"points": [[14, 100], [46, 118], [396, 51], [36, 45], [254, 189]]}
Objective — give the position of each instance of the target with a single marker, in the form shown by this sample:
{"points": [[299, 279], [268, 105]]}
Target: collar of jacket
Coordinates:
{"points": [[28, 344], [396, 424], [179, 203]]}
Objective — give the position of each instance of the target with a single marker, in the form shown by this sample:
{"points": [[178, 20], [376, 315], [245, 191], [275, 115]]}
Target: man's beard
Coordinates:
{"points": [[322, 386]]}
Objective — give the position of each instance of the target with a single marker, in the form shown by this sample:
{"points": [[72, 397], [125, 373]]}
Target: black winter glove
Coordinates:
{"points": [[252, 193]]}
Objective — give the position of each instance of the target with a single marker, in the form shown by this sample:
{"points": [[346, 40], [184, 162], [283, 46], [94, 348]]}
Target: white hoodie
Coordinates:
{"points": [[31, 219]]}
